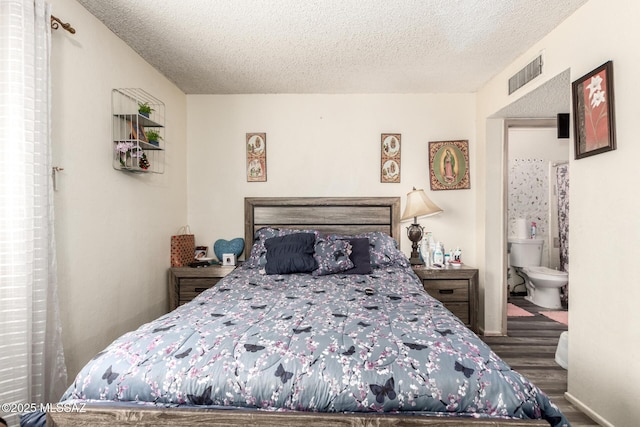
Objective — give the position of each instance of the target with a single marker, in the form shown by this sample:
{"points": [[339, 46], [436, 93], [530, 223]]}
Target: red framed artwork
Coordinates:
{"points": [[593, 114]]}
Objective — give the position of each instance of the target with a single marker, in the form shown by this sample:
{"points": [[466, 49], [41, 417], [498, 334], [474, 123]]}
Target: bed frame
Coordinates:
{"points": [[344, 215], [340, 215]]}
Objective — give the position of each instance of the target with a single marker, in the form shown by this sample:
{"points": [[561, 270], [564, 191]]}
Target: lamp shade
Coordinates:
{"points": [[418, 204]]}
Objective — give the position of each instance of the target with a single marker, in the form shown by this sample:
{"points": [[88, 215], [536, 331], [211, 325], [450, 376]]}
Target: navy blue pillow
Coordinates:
{"points": [[292, 253], [359, 256]]}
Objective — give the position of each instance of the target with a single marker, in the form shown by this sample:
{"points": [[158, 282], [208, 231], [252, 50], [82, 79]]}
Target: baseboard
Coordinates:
{"points": [[491, 333], [586, 410]]}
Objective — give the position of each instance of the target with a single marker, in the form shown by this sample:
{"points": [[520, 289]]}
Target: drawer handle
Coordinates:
{"points": [[446, 291], [200, 289]]}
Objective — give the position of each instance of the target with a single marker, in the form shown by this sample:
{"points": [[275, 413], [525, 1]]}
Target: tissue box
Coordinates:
{"points": [[228, 259]]}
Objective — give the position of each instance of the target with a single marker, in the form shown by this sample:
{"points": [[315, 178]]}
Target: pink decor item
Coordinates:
{"points": [[515, 311]]}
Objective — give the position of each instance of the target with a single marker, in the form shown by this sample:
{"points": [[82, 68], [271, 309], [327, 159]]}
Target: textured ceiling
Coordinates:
{"points": [[330, 46]]}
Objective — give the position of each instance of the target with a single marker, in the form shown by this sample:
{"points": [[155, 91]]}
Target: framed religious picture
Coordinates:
{"points": [[390, 157], [593, 115], [449, 165], [256, 157]]}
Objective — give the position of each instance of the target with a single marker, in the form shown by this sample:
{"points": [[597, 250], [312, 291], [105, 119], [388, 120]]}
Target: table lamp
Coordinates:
{"points": [[418, 205]]}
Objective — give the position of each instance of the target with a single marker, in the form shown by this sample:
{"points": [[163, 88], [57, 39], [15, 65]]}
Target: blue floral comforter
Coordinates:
{"points": [[333, 343]]}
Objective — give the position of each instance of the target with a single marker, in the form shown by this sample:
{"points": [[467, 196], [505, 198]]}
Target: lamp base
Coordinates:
{"points": [[414, 233], [416, 261]]}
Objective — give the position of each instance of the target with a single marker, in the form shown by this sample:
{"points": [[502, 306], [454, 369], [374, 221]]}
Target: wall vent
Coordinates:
{"points": [[524, 76]]}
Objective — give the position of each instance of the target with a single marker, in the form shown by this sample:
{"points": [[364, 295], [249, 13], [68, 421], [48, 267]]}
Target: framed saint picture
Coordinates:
{"points": [[449, 165], [390, 157], [256, 157]]}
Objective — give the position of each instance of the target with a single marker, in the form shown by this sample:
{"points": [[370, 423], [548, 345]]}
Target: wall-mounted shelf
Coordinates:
{"points": [[133, 151]]}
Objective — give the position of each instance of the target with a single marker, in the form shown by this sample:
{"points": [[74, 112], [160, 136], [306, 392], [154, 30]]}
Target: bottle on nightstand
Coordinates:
{"points": [[425, 250], [438, 255]]}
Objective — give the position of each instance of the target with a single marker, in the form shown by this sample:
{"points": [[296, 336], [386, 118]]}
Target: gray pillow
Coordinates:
{"points": [[332, 256]]}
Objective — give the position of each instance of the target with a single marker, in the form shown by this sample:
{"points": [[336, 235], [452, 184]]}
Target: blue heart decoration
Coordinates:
{"points": [[233, 246]]}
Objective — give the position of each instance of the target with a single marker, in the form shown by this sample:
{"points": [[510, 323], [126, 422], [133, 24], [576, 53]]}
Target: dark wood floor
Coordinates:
{"points": [[530, 349]]}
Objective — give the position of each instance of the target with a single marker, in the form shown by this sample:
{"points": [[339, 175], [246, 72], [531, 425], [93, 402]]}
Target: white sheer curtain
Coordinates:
{"points": [[32, 368]]}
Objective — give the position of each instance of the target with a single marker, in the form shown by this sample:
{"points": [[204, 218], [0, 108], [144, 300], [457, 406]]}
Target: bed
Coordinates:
{"points": [[275, 343]]}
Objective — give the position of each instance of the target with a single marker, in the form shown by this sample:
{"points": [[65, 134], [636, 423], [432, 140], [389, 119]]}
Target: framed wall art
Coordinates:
{"points": [[256, 157], [593, 115], [449, 165], [390, 157], [137, 132], [201, 252]]}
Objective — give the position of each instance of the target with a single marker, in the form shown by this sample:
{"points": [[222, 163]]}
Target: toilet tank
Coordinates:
{"points": [[525, 252]]}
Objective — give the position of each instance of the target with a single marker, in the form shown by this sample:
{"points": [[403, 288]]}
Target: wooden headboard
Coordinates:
{"points": [[342, 215]]}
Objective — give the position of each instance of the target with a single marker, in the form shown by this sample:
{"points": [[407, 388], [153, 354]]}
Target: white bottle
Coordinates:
{"points": [[432, 248], [424, 250], [438, 254]]}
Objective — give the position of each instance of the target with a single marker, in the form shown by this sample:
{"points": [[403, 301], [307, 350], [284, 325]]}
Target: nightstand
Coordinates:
{"points": [[456, 288], [186, 283]]}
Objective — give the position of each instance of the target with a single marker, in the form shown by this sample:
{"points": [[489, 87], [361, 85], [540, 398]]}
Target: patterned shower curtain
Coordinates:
{"points": [[562, 177]]}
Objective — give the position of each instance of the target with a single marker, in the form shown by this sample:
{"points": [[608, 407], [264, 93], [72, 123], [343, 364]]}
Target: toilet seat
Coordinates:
{"points": [[545, 270]]}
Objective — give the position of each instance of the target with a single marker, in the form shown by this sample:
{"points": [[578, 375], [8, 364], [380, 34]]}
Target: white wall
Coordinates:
{"points": [[112, 228], [324, 145], [604, 343]]}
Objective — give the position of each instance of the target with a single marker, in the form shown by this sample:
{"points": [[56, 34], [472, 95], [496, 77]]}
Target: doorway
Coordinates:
{"points": [[534, 153], [540, 105]]}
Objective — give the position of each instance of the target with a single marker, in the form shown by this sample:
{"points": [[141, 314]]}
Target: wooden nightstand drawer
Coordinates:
{"points": [[186, 283], [460, 309], [456, 288], [191, 288], [448, 290]]}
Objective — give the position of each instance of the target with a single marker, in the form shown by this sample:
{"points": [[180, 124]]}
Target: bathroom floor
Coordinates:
{"points": [[518, 300]]}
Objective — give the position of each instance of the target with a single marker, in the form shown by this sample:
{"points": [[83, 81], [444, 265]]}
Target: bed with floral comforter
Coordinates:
{"points": [[330, 343]]}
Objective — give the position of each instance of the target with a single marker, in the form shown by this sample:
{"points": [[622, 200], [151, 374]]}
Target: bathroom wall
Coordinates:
{"points": [[528, 194]]}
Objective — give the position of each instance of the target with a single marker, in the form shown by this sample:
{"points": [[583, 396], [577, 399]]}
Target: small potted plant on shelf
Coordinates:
{"points": [[144, 109], [153, 137]]}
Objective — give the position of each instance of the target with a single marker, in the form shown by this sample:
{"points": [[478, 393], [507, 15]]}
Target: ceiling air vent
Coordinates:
{"points": [[524, 76]]}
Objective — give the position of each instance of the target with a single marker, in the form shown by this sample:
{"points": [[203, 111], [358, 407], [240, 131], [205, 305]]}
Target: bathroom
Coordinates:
{"points": [[535, 153]]}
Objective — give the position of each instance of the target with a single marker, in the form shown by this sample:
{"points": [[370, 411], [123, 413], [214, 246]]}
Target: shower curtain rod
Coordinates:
{"points": [[55, 23]]}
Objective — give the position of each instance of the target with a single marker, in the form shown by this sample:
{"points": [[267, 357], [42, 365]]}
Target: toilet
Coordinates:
{"points": [[543, 284]]}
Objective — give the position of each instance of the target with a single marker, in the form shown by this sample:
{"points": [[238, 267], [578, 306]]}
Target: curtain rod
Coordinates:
{"points": [[55, 23]]}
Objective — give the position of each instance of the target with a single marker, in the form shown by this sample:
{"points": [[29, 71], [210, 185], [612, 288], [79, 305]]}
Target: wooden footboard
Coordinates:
{"points": [[152, 417]]}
